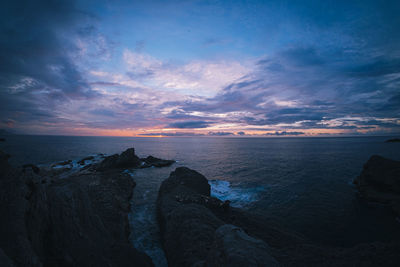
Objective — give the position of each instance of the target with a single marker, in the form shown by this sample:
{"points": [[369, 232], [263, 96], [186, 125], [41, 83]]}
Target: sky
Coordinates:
{"points": [[200, 68]]}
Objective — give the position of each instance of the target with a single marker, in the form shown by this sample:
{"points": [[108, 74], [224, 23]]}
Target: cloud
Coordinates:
{"points": [[220, 133], [199, 77], [168, 134], [189, 124], [283, 133], [62, 68], [37, 70]]}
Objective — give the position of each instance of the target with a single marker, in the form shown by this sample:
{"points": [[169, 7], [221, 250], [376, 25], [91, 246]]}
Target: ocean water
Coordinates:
{"points": [[303, 183]]}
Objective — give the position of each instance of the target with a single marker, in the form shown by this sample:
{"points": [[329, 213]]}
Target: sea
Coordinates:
{"points": [[303, 183]]}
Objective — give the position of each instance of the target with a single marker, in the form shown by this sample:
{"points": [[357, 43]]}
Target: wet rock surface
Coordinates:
{"points": [[79, 220]]}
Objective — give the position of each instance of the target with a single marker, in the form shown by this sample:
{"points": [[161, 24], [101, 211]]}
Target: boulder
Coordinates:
{"points": [[34, 168], [380, 181], [189, 218], [233, 247]]}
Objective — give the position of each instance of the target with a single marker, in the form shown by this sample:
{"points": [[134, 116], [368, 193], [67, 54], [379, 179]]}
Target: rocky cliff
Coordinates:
{"points": [[78, 220]]}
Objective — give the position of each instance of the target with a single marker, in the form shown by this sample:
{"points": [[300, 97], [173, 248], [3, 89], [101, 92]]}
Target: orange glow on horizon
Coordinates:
{"points": [[159, 132]]}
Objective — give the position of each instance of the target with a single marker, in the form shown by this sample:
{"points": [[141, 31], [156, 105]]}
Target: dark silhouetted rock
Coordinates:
{"points": [[380, 181], [2, 139], [83, 161], [189, 217], [63, 163], [80, 220], [156, 162], [379, 174], [127, 159], [394, 140], [233, 247], [35, 168], [4, 157]]}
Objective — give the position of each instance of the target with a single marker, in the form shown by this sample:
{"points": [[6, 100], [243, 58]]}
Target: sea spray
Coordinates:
{"points": [[239, 196]]}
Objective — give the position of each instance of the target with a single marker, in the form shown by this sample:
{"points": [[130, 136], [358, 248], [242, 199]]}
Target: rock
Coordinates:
{"points": [[187, 179], [2, 139], [109, 162], [394, 140], [35, 168], [233, 247], [82, 161], [380, 174], [189, 217], [5, 261], [156, 162], [127, 159], [380, 181], [80, 220], [63, 163], [4, 157]]}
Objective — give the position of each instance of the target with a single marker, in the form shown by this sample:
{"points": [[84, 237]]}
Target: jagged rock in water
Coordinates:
{"points": [[394, 140], [156, 162], [127, 159]]}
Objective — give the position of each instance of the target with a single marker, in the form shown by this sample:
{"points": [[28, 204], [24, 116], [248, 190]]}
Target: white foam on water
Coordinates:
{"points": [[75, 166], [144, 235], [130, 172], [239, 196]]}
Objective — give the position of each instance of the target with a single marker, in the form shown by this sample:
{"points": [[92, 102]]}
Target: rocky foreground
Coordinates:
{"points": [[49, 219], [200, 230], [65, 215]]}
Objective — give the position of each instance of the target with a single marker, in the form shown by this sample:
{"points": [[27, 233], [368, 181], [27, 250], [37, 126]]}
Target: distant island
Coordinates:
{"points": [[394, 140]]}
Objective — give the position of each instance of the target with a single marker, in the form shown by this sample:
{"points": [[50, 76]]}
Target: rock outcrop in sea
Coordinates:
{"points": [[393, 140], [128, 159], [80, 219], [380, 181], [193, 235]]}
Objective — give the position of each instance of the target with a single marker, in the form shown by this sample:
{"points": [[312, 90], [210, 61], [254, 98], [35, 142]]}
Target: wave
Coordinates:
{"points": [[239, 196]]}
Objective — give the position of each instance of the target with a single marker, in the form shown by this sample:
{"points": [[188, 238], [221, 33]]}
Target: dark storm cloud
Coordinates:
{"points": [[220, 133], [189, 124], [283, 133], [36, 69]]}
